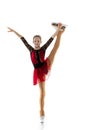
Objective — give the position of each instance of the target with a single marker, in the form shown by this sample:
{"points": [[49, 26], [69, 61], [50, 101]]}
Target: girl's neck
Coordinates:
{"points": [[37, 48]]}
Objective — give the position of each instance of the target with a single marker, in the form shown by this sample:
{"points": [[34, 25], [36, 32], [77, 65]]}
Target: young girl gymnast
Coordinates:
{"points": [[41, 64]]}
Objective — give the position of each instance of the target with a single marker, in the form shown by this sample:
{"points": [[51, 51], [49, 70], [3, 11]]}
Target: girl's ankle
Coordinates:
{"points": [[42, 113]]}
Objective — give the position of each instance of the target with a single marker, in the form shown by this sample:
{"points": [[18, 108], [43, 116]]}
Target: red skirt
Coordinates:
{"points": [[39, 74]]}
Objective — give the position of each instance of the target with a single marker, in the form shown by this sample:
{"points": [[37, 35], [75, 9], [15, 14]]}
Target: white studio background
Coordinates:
{"points": [[66, 93]]}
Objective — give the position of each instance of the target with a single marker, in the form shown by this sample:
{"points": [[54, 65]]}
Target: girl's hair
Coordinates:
{"points": [[36, 36]]}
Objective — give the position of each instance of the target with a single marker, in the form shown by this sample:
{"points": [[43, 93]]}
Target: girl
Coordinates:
{"points": [[41, 64]]}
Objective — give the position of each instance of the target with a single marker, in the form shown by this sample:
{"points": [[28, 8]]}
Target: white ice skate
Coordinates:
{"points": [[42, 119], [55, 25]]}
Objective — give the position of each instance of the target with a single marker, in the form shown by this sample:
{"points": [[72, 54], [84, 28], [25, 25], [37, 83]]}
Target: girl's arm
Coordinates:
{"points": [[57, 32], [22, 38], [12, 30], [47, 43]]}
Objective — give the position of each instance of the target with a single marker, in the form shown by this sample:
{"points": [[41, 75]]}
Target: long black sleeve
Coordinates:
{"points": [[47, 43], [29, 47]]}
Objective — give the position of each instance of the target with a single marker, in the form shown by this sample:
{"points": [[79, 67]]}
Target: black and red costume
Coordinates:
{"points": [[41, 66]]}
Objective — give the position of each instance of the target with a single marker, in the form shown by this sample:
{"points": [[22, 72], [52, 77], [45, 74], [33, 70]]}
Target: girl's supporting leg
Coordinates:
{"points": [[42, 96]]}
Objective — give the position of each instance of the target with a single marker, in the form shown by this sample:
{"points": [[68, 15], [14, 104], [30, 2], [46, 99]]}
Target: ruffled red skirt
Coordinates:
{"points": [[39, 74]]}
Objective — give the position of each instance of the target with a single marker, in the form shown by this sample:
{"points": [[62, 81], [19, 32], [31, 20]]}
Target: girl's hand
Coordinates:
{"points": [[59, 25], [10, 29], [61, 30]]}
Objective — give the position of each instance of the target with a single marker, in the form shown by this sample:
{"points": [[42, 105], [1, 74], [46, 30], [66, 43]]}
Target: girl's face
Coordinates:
{"points": [[37, 42]]}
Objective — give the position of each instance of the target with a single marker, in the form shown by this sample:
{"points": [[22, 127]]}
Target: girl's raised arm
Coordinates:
{"points": [[22, 38], [12, 30]]}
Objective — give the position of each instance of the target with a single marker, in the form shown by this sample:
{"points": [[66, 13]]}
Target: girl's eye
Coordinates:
{"points": [[37, 41]]}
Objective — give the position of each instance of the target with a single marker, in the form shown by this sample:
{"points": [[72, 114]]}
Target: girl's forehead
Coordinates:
{"points": [[36, 38]]}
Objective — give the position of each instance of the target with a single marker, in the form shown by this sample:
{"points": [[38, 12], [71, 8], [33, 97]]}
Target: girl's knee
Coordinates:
{"points": [[43, 94]]}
